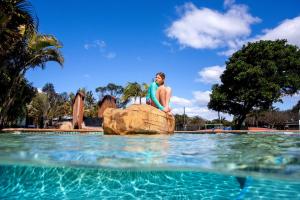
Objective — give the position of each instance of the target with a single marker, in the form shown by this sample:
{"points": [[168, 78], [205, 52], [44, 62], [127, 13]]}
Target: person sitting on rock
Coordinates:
{"points": [[158, 94]]}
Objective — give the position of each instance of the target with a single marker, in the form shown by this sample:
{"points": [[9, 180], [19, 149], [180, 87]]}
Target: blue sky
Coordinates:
{"points": [[125, 41]]}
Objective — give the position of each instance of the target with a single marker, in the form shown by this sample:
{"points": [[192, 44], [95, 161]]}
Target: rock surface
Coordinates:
{"points": [[66, 126], [137, 119]]}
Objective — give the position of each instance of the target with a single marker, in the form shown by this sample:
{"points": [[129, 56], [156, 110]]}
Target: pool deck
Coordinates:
{"points": [[237, 131], [47, 130], [99, 129]]}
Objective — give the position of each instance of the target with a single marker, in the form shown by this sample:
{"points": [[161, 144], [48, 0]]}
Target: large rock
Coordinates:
{"points": [[66, 126], [137, 119]]}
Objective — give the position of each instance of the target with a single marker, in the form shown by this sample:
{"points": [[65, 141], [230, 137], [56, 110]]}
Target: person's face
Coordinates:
{"points": [[159, 80]]}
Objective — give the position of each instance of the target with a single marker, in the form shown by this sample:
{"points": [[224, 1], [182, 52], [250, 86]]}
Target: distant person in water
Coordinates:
{"points": [[158, 94]]}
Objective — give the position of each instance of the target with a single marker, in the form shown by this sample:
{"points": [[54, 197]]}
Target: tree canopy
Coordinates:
{"points": [[134, 90], [21, 48], [114, 90], [90, 105], [257, 76]]}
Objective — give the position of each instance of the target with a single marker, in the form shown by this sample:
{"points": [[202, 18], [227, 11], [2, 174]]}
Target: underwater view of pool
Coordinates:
{"points": [[179, 166]]}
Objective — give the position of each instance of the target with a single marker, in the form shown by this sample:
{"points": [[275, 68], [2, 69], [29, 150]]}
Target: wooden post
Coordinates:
{"points": [[78, 109]]}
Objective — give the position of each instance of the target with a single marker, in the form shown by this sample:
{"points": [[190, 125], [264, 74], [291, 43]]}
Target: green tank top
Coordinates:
{"points": [[151, 94]]}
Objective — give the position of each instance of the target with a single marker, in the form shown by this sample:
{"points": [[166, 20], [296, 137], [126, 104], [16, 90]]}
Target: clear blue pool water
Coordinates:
{"points": [[179, 166]]}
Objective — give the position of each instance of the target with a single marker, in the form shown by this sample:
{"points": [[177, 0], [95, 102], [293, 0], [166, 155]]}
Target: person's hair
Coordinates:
{"points": [[162, 75]]}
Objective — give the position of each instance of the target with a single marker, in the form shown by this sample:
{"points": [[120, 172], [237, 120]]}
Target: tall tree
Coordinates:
{"points": [[17, 22], [144, 91], [135, 90], [66, 104], [90, 107], [131, 90], [101, 90], [112, 90], [256, 76], [50, 92], [18, 110], [38, 108], [59, 103], [21, 48]]}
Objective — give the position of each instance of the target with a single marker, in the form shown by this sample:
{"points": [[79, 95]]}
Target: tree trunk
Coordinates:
{"points": [[239, 121], [242, 116], [8, 100]]}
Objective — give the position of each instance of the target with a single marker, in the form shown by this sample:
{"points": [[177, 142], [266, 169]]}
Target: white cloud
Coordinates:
{"points": [[100, 43], [288, 102], [136, 101], [204, 28], [201, 97], [86, 76], [95, 44], [102, 47], [165, 43], [288, 29], [207, 28], [86, 46], [197, 106], [233, 46], [110, 55], [169, 46], [180, 101], [192, 111], [211, 74], [202, 112], [228, 3], [177, 104]]}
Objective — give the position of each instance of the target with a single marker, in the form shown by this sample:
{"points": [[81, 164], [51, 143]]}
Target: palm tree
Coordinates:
{"points": [[134, 90], [16, 23], [144, 91], [131, 90], [40, 49], [21, 48]]}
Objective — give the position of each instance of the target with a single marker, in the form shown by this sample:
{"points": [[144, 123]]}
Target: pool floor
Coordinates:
{"points": [[28, 182]]}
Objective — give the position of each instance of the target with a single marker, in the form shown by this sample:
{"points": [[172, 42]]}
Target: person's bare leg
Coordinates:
{"points": [[168, 94], [158, 94], [161, 95]]}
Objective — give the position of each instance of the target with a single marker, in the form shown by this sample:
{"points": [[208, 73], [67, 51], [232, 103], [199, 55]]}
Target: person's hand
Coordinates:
{"points": [[169, 113], [167, 109]]}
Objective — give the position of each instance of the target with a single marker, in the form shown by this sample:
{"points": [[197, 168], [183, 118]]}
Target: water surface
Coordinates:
{"points": [[180, 166]]}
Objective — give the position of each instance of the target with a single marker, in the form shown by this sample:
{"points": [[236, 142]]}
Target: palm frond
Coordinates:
{"points": [[25, 11], [40, 58], [17, 23], [38, 42]]}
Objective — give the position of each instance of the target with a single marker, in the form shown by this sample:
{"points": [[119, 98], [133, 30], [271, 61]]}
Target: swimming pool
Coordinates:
{"points": [[179, 166]]}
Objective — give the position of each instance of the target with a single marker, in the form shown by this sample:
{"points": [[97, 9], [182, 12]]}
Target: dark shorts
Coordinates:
{"points": [[151, 103]]}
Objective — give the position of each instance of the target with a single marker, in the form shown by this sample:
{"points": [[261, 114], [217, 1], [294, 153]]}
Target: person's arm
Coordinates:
{"points": [[153, 96], [148, 96]]}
